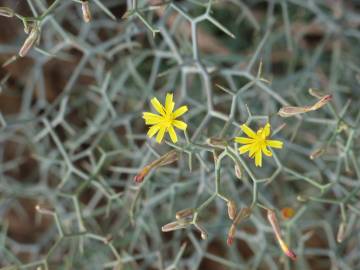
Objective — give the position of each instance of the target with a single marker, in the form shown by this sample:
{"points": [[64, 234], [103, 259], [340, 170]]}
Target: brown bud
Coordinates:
{"points": [[30, 41], [231, 205], [86, 11], [184, 213], [6, 12]]}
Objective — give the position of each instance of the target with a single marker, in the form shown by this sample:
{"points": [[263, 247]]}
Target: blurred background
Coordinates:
{"points": [[72, 136]]}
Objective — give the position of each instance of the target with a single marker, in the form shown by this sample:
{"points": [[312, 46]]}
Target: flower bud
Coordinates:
{"points": [[30, 41], [86, 11], [176, 225], [276, 228], [341, 232], [166, 159], [231, 235], [289, 111], [231, 205], [238, 172]]}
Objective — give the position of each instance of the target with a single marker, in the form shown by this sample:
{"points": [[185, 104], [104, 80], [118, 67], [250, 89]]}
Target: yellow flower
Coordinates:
{"points": [[166, 121], [257, 143]]}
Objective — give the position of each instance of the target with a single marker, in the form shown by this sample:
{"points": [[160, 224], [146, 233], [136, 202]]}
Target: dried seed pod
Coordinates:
{"points": [[184, 213], [86, 11], [6, 12], [30, 41], [231, 205]]}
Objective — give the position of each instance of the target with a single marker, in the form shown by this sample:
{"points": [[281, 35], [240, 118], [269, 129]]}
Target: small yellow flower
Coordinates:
{"points": [[257, 143], [166, 121]]}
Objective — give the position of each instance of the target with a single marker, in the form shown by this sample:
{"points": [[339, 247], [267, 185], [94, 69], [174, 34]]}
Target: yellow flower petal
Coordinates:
{"points": [[180, 111], [254, 150], [243, 140], [157, 106], [258, 159], [266, 130], [180, 124], [266, 151], [172, 134], [245, 148], [248, 131], [151, 118], [160, 134], [274, 143], [153, 130], [169, 104]]}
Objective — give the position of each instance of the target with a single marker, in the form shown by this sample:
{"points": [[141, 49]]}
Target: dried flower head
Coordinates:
{"points": [[257, 143], [166, 121]]}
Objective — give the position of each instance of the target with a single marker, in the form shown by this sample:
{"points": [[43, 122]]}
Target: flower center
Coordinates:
{"points": [[168, 120]]}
